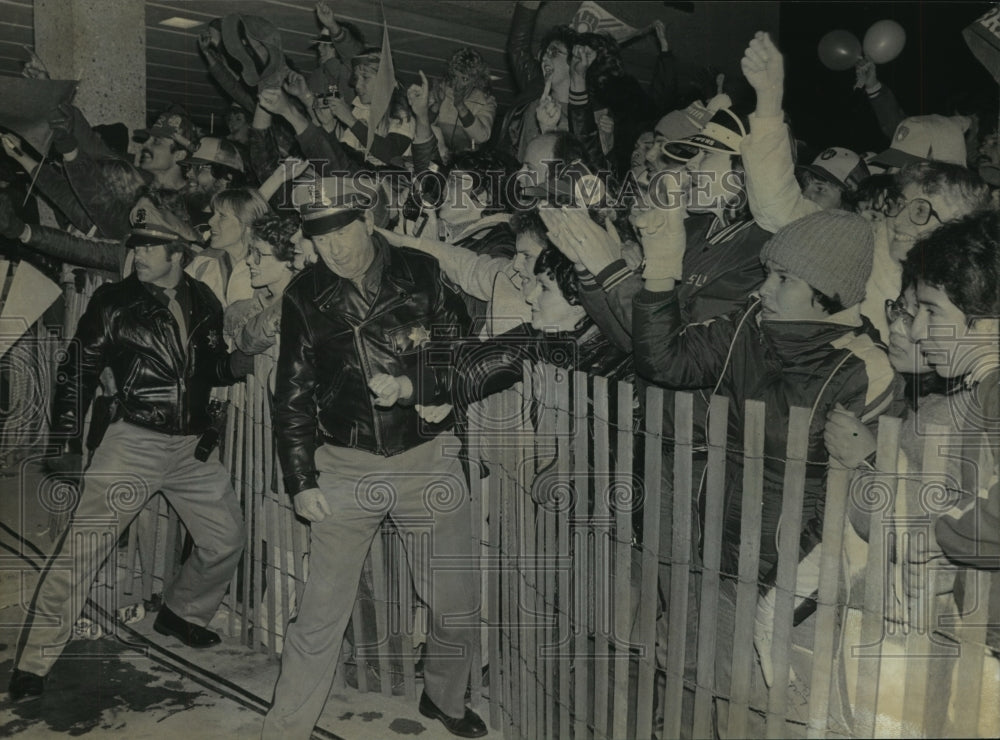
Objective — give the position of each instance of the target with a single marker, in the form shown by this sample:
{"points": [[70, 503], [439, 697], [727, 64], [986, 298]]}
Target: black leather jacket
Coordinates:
{"points": [[160, 386], [333, 343]]}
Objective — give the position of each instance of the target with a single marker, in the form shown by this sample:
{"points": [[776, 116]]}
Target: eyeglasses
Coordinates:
{"points": [[896, 311], [553, 52], [919, 210], [256, 255]]}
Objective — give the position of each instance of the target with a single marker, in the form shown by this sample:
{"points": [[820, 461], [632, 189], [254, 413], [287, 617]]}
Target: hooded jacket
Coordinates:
{"points": [[811, 364]]}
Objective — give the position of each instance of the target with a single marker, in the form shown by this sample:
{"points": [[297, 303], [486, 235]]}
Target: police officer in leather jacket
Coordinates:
{"points": [[354, 449], [160, 333]]}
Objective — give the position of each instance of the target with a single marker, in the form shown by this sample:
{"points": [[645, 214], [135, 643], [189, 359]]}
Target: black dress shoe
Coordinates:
{"points": [[468, 726], [24, 685], [168, 623]]}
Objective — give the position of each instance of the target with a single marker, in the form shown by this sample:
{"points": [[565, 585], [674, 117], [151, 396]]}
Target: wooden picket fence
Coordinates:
{"points": [[569, 516]]}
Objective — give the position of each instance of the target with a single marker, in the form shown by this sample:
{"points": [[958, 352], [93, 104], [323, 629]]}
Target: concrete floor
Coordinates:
{"points": [[106, 688]]}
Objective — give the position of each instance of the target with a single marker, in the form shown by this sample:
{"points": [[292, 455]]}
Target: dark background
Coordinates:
{"points": [[934, 71]]}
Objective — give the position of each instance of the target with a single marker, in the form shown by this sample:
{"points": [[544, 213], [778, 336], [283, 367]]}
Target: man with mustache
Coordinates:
{"points": [[159, 332]]}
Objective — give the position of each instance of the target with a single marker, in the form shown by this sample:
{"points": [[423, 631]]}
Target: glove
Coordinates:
{"points": [[11, 226], [240, 363]]}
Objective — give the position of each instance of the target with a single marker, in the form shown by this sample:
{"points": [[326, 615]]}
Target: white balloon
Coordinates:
{"points": [[884, 41]]}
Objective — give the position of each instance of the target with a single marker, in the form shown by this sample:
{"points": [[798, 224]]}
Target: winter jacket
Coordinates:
{"points": [[721, 268], [811, 364], [520, 125], [471, 132], [334, 342], [162, 383], [490, 366], [970, 533]]}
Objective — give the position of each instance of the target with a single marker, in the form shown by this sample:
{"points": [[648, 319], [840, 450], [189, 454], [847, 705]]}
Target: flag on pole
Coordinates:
{"points": [[385, 83], [592, 18], [31, 293]]}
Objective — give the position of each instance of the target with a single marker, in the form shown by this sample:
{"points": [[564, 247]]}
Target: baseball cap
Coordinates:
{"points": [[933, 138], [216, 151], [723, 133], [174, 124], [840, 166], [331, 203]]}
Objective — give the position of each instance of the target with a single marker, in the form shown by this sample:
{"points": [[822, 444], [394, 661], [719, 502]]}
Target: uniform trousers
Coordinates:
{"points": [[426, 495], [131, 464]]}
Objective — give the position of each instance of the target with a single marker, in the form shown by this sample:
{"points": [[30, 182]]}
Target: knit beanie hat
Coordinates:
{"points": [[831, 250]]}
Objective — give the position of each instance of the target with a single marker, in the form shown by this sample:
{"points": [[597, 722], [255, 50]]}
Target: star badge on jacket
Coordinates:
{"points": [[419, 336], [213, 339]]}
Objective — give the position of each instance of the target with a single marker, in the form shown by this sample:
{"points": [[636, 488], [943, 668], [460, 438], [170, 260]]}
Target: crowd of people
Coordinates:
{"points": [[672, 236]]}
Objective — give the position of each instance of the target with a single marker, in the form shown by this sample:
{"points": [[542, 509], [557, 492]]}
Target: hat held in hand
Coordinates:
{"points": [[174, 124]]}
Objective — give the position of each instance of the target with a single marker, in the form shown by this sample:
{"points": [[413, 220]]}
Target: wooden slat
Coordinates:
{"points": [[562, 629], [494, 618], [879, 495], [649, 593], [709, 605], [825, 661], [408, 629], [583, 595], [625, 502], [381, 577], [680, 563], [542, 381], [530, 687], [512, 493], [754, 426], [251, 571], [556, 393], [919, 645], [476, 493], [788, 563], [602, 558]]}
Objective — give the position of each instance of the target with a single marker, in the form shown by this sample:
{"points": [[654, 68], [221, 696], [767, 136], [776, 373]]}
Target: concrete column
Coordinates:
{"points": [[102, 43]]}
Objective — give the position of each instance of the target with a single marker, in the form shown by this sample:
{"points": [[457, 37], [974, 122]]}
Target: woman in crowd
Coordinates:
{"points": [[464, 106], [253, 322], [222, 266]]}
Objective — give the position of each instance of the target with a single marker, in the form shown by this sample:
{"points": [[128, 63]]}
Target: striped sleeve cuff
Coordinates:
{"points": [[585, 278], [578, 98], [614, 274]]}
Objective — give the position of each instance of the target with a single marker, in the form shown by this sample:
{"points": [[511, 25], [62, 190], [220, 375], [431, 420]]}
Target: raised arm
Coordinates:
{"points": [[774, 194]]}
